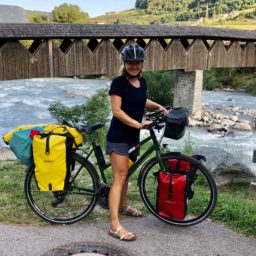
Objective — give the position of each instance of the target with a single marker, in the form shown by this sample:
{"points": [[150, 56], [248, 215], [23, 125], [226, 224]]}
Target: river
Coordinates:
{"points": [[27, 101]]}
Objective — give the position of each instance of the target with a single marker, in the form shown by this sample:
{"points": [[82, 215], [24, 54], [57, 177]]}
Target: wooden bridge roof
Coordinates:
{"points": [[54, 31]]}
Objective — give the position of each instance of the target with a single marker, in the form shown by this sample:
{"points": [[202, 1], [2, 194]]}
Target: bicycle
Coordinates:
{"points": [[88, 186]]}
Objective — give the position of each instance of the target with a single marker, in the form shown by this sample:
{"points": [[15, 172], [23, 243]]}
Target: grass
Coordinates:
{"points": [[235, 207]]}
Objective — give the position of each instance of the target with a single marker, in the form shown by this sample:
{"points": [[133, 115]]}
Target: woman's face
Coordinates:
{"points": [[133, 68]]}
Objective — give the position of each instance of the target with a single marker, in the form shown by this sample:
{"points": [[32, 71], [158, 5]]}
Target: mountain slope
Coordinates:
{"points": [[12, 14]]}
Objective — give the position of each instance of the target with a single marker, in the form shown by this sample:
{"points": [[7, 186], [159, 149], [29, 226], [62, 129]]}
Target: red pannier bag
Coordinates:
{"points": [[174, 190]]}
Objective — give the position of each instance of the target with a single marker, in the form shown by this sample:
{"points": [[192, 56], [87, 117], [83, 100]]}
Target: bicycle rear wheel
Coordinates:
{"points": [[199, 207], [70, 205]]}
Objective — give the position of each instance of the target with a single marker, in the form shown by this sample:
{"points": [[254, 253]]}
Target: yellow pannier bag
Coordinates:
{"points": [[52, 155], [8, 135], [63, 129]]}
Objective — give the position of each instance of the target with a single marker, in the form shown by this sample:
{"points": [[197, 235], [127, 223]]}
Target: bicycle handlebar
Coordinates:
{"points": [[157, 118]]}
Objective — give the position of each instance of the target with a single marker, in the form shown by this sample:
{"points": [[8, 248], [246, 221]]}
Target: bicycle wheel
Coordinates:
{"points": [[70, 205], [204, 198]]}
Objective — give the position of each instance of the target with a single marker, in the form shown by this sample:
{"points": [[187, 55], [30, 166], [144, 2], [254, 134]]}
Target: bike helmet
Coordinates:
{"points": [[133, 52]]}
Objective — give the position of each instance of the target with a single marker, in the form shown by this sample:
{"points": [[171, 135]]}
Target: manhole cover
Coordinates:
{"points": [[89, 249]]}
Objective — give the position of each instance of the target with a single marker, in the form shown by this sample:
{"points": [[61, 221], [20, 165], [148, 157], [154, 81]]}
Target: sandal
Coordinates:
{"points": [[122, 238], [129, 211]]}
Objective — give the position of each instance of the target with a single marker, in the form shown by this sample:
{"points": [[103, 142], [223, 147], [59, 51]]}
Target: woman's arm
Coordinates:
{"points": [[116, 102], [153, 105]]}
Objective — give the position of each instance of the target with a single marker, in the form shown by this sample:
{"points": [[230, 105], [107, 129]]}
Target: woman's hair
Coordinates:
{"points": [[123, 72]]}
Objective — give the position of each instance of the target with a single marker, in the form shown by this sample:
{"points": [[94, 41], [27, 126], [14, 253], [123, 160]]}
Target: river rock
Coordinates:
{"points": [[234, 118], [75, 93], [242, 126], [6, 154], [228, 123], [215, 128], [224, 166]]}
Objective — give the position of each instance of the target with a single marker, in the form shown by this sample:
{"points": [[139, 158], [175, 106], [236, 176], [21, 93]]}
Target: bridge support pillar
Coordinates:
{"points": [[188, 91]]}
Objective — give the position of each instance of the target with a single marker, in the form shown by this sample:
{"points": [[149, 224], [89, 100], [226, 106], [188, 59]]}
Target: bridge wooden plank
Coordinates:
{"points": [[1, 60], [234, 55], [217, 55], [59, 62], [248, 58], [79, 45], [155, 56], [107, 58], [14, 60], [196, 56], [39, 62], [175, 55], [70, 57]]}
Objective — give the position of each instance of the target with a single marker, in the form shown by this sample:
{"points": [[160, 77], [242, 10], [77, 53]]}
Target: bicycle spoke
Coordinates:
{"points": [[199, 206], [70, 205]]}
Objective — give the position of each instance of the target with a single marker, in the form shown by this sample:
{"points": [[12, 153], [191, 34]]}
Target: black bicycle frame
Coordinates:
{"points": [[155, 147]]}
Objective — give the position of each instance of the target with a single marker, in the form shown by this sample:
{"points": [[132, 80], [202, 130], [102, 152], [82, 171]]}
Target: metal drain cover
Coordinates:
{"points": [[89, 249], [87, 254]]}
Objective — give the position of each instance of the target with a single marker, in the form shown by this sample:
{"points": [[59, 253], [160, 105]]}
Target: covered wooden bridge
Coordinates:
{"points": [[64, 50]]}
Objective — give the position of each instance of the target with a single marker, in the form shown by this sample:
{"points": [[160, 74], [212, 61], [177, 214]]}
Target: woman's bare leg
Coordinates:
{"points": [[120, 169]]}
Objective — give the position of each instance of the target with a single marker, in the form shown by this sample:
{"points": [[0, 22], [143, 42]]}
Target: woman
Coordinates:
{"points": [[128, 100]]}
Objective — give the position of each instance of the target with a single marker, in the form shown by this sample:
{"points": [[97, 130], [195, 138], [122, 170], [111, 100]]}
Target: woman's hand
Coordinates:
{"points": [[166, 111], [145, 123]]}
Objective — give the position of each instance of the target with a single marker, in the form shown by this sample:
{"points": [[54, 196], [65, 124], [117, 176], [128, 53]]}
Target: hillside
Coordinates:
{"points": [[217, 13], [12, 14]]}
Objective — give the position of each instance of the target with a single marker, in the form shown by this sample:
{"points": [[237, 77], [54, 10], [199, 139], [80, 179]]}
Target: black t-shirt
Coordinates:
{"points": [[133, 103]]}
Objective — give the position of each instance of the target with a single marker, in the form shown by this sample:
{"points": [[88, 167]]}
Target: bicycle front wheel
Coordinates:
{"points": [[198, 207], [72, 204]]}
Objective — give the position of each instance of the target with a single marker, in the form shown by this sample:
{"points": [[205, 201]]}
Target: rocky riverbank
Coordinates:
{"points": [[225, 119]]}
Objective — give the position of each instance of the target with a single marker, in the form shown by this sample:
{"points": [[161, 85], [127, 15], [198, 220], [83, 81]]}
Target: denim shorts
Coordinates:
{"points": [[121, 149]]}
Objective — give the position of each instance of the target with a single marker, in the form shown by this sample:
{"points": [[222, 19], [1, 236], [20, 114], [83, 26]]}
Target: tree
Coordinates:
{"points": [[141, 4], [40, 19], [67, 13]]}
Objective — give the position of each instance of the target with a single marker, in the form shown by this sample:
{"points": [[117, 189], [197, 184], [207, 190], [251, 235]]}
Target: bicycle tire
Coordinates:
{"points": [[73, 203], [199, 207]]}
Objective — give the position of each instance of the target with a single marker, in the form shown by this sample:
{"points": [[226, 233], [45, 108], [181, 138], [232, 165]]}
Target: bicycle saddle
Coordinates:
{"points": [[88, 128]]}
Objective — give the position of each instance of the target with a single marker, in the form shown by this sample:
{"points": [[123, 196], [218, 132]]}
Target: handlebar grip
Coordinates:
{"points": [[149, 126]]}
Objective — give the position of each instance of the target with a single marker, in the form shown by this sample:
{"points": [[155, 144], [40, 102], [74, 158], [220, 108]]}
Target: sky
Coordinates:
{"points": [[92, 7]]}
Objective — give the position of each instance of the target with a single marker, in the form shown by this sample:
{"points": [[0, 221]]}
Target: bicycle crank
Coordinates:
{"points": [[103, 196]]}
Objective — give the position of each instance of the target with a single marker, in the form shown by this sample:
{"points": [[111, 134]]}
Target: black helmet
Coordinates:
{"points": [[133, 52]]}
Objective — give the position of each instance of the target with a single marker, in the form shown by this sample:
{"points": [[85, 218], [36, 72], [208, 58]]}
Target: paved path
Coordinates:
{"points": [[154, 238]]}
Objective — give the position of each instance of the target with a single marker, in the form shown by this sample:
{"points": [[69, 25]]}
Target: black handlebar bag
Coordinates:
{"points": [[176, 122]]}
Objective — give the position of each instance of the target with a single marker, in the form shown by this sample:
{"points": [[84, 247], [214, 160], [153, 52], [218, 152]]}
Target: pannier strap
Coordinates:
{"points": [[88, 128], [47, 135]]}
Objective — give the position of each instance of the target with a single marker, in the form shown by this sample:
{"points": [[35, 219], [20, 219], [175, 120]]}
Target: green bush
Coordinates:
{"points": [[236, 78], [250, 86], [160, 86], [95, 110]]}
